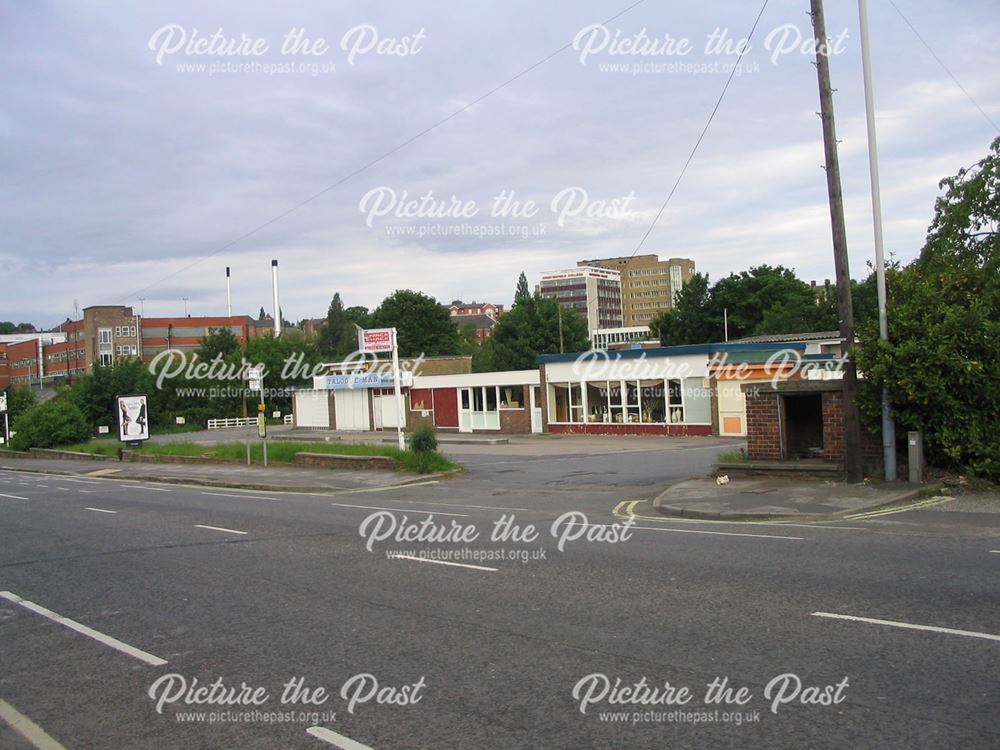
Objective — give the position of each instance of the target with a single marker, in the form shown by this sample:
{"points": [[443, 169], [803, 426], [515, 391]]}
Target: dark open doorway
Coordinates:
{"points": [[803, 425]]}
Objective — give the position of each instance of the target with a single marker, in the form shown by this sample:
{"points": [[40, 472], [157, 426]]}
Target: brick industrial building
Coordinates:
{"points": [[104, 335]]}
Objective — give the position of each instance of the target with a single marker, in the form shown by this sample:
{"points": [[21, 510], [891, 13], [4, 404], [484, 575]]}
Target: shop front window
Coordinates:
{"points": [[654, 404], [676, 401], [597, 402]]}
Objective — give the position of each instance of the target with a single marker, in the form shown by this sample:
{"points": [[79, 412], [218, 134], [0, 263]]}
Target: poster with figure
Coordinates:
{"points": [[133, 419]]}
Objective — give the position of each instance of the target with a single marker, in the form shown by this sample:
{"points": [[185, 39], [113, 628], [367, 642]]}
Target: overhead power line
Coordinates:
{"points": [[373, 162], [704, 130], [945, 67]]}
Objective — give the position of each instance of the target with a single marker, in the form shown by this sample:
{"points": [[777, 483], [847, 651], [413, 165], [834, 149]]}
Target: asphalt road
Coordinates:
{"points": [[178, 584]]}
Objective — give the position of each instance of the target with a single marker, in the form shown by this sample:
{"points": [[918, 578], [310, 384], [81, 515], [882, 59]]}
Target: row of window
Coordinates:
{"points": [[655, 401], [123, 331]]}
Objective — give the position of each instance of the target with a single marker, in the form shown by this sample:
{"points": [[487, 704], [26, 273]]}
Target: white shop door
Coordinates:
{"points": [[312, 409], [351, 408]]}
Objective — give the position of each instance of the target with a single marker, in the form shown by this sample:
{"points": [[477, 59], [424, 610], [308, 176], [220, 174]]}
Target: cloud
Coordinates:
{"points": [[125, 178]]}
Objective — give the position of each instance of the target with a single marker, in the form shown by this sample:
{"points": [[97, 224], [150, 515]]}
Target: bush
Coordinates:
{"points": [[424, 439], [56, 422]]}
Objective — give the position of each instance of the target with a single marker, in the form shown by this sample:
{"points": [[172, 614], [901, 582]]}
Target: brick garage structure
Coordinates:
{"points": [[797, 420]]}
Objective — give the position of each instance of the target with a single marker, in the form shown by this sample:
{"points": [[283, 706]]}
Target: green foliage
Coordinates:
{"points": [[941, 364], [422, 325], [692, 319], [424, 439], [358, 315], [7, 327], [220, 342], [764, 300], [19, 400], [531, 327], [95, 393], [337, 336], [522, 292], [54, 423]]}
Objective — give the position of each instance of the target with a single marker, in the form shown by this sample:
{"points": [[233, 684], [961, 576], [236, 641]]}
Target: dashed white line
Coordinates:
{"points": [[219, 528], [28, 729], [337, 740], [398, 510], [995, 551], [100, 510], [86, 492], [107, 640], [910, 626], [441, 562], [13, 497], [229, 494], [144, 487]]}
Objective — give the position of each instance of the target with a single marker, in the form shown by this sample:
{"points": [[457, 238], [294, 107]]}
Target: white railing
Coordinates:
{"points": [[221, 424]]}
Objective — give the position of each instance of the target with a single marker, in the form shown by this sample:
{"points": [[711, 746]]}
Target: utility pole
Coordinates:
{"points": [[852, 423], [888, 425]]}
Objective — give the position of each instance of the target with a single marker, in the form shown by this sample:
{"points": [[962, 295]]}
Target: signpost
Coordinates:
{"points": [[255, 382], [133, 420], [6, 426], [378, 340]]}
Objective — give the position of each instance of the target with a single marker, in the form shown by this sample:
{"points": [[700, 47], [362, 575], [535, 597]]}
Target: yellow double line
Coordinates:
{"points": [[903, 508]]}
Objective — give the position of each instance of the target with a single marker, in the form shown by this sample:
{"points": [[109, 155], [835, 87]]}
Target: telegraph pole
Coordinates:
{"points": [[852, 423]]}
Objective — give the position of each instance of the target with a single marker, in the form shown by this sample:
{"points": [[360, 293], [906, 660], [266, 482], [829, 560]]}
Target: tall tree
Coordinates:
{"points": [[692, 318], [522, 292], [531, 327], [220, 342], [941, 364], [423, 325], [337, 336]]}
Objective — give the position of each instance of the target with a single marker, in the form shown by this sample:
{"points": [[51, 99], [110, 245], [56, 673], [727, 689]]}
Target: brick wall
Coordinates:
{"points": [[764, 440]]}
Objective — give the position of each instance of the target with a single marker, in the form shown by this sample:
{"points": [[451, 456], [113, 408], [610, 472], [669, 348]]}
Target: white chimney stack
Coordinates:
{"points": [[277, 307]]}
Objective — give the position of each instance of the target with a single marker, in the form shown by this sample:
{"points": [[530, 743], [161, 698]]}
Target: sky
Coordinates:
{"points": [[446, 147]]}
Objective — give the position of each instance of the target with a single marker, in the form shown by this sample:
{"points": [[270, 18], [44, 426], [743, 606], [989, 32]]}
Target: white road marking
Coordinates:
{"points": [[229, 494], [81, 481], [910, 626], [396, 510], [42, 485], [695, 531], [63, 489], [219, 528], [144, 487], [28, 729], [86, 492], [441, 562], [13, 497], [386, 489], [337, 740], [995, 551], [101, 510], [460, 505], [107, 640]]}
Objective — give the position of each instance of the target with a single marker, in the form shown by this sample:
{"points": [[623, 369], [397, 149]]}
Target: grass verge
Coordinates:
{"points": [[732, 457], [282, 452]]}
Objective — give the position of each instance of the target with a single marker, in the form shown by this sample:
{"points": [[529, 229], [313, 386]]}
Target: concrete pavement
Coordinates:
{"points": [[765, 498]]}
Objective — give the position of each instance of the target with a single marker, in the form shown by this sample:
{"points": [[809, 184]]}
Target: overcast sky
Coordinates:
{"points": [[127, 171]]}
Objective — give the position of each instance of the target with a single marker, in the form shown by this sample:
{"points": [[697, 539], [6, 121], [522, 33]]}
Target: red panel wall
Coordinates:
{"points": [[446, 407]]}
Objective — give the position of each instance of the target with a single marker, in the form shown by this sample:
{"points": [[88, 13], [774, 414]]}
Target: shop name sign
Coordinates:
{"points": [[362, 380], [375, 340]]}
